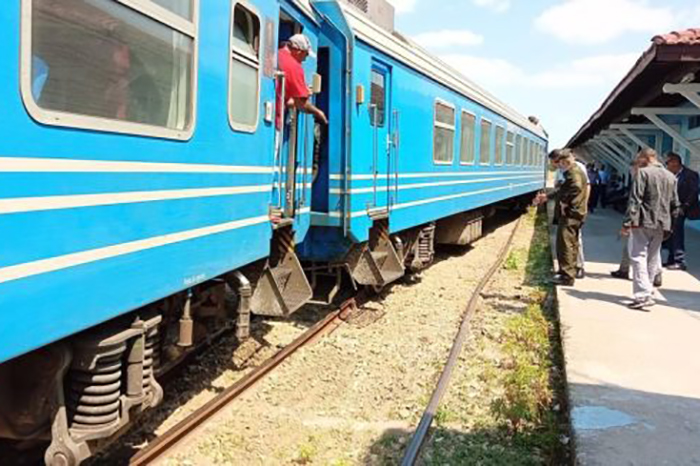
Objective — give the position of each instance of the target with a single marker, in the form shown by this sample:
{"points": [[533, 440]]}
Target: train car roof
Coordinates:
{"points": [[411, 54]]}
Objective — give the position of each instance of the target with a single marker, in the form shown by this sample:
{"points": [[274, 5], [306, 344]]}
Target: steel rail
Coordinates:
{"points": [[173, 437], [421, 433]]}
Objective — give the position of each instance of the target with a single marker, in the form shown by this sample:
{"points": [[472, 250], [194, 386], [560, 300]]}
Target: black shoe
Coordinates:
{"points": [[620, 274], [642, 304], [580, 274], [563, 280], [659, 281], [676, 266]]}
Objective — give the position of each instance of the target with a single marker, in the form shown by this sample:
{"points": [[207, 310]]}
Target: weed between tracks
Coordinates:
{"points": [[506, 404]]}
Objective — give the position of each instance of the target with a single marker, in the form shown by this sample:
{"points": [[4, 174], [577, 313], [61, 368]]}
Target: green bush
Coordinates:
{"points": [[527, 393]]}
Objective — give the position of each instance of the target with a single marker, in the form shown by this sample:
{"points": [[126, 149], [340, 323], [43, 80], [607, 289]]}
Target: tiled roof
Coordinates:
{"points": [[687, 37]]}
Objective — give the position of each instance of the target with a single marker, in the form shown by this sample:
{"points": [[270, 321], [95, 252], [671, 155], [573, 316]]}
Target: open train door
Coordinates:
{"points": [[283, 287]]}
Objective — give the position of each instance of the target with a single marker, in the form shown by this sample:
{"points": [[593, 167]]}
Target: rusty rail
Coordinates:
{"points": [[421, 433], [172, 438]]}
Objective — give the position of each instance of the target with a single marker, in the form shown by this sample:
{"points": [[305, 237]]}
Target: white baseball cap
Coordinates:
{"points": [[301, 42]]}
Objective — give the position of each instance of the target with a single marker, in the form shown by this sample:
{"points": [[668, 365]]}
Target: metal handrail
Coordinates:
{"points": [[279, 132]]}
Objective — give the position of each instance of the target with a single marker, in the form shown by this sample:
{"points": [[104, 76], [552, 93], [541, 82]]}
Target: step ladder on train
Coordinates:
{"points": [[377, 262], [283, 288]]}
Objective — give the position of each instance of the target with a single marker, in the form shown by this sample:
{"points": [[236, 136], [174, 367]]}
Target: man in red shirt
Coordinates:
{"points": [[296, 92]]}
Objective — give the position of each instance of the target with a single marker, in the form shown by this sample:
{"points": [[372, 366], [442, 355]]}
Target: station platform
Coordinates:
{"points": [[634, 376]]}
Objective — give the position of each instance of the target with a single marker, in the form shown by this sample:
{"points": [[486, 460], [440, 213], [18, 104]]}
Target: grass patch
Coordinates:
{"points": [[307, 451], [514, 260], [511, 403]]}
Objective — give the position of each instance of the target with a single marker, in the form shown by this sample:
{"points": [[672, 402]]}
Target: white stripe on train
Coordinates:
{"points": [[360, 213], [370, 176], [19, 271], [55, 165], [29, 269], [429, 185]]}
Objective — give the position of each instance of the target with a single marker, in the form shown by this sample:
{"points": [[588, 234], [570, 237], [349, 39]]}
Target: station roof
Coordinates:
{"points": [[671, 58]]}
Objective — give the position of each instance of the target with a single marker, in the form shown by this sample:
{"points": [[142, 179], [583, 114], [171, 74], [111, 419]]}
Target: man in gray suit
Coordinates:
{"points": [[653, 205]]}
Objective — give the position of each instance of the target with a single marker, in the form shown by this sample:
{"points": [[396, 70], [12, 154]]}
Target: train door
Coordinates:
{"points": [[287, 133], [321, 149], [382, 120]]}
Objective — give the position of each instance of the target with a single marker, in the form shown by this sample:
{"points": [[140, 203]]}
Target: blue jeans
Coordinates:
{"points": [[676, 243]]}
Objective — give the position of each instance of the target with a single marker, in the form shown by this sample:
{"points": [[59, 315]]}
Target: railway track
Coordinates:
{"points": [[171, 440], [421, 433], [166, 443]]}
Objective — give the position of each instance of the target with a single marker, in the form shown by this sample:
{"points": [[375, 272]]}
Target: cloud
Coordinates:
{"points": [[499, 6], [591, 72], [448, 38], [404, 6], [485, 71], [592, 22], [596, 71]]}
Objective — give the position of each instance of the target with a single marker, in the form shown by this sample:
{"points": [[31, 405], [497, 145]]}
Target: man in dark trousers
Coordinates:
{"points": [[573, 199], [688, 198]]}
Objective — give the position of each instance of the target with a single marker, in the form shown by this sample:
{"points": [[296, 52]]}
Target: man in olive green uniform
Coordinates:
{"points": [[573, 208]]}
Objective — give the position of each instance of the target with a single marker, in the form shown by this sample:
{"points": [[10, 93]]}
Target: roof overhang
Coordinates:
{"points": [[673, 58]]}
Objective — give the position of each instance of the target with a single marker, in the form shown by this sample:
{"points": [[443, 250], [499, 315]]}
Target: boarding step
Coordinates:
{"points": [[389, 265], [374, 268], [281, 290]]}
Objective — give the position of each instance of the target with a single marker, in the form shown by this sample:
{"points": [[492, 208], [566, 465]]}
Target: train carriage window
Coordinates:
{"points": [[518, 150], [485, 146], [523, 152], [244, 72], [182, 8], [528, 153], [98, 64], [468, 144], [510, 147], [500, 134], [531, 152], [378, 99], [444, 136]]}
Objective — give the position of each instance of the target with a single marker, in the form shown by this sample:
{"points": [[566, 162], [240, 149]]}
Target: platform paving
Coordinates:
{"points": [[634, 377]]}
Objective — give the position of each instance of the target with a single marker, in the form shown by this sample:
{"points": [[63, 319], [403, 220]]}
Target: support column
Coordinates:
{"points": [[634, 138], [654, 115], [690, 91], [633, 130], [603, 152], [605, 143], [616, 138]]}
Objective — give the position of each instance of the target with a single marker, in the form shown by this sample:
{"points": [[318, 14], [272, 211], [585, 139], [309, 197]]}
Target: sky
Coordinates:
{"points": [[553, 59]]}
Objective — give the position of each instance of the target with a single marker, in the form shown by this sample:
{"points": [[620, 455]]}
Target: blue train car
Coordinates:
{"points": [[149, 200], [138, 164], [412, 148]]}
